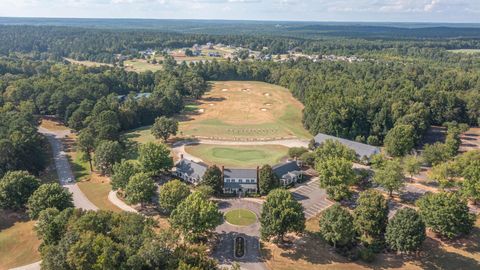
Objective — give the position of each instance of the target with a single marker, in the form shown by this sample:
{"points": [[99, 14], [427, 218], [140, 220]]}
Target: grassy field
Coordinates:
{"points": [[240, 217], [245, 110], [87, 63], [18, 241], [238, 156], [141, 65], [466, 51], [96, 189], [312, 253]]}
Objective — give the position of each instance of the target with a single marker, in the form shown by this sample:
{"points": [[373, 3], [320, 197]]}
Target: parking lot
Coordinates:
{"points": [[313, 198]]}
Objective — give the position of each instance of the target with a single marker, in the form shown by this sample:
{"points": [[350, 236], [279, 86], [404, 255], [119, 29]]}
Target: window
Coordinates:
{"points": [[228, 180], [240, 180]]}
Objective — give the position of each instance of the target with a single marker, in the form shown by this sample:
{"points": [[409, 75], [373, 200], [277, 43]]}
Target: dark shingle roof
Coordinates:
{"points": [[284, 168], [240, 173], [360, 148], [191, 168], [238, 185]]}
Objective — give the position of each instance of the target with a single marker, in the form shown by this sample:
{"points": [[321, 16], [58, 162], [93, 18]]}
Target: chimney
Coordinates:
{"points": [[181, 156], [258, 173], [223, 177]]}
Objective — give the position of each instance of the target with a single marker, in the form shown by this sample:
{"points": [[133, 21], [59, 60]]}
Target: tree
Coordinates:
{"points": [[390, 176], [52, 224], [155, 158], [405, 231], [213, 178], [140, 189], [434, 154], [412, 165], [15, 189], [49, 196], [336, 226], [86, 144], [443, 174], [281, 214], [452, 141], [470, 187], [308, 158], [122, 172], [296, 152], [95, 251], [400, 140], [334, 149], [171, 194], [446, 213], [267, 179], [335, 175], [164, 127], [370, 216], [107, 154], [195, 216]]}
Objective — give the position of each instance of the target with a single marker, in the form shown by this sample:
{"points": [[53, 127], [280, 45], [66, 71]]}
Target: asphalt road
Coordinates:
{"points": [[64, 171]]}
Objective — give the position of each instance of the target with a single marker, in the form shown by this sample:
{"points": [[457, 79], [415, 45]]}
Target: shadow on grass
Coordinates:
{"points": [[8, 218]]}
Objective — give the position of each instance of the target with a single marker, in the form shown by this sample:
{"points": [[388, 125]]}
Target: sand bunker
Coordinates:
{"points": [[224, 90], [268, 104], [211, 104], [263, 109], [201, 110], [266, 94]]}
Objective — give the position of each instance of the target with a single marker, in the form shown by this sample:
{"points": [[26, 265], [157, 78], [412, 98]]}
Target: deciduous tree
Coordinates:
{"points": [[281, 214], [140, 189], [370, 216], [172, 194], [155, 158], [15, 189], [400, 140], [405, 231], [164, 127], [336, 226], [122, 172], [213, 178], [107, 154], [267, 180], [49, 196], [335, 175], [390, 176]]}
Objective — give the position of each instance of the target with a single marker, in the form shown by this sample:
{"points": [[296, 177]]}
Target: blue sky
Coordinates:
{"points": [[283, 10]]}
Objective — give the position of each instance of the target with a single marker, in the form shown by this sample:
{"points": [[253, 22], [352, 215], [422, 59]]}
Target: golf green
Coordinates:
{"points": [[238, 156], [240, 217]]}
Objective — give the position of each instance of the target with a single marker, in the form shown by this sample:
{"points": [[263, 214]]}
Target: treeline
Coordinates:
{"points": [[363, 100], [102, 45]]}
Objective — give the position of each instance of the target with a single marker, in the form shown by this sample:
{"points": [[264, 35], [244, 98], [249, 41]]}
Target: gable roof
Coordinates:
{"points": [[240, 173], [284, 168], [191, 168], [360, 148]]}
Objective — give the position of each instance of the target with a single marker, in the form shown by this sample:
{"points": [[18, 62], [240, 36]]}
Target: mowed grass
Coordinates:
{"points": [[238, 156], [312, 253], [18, 243], [96, 189], [240, 217], [141, 65], [466, 51], [245, 110]]}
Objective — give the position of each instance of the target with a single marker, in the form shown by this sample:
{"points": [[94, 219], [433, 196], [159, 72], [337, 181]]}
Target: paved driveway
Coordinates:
{"points": [[64, 171], [312, 197], [224, 249]]}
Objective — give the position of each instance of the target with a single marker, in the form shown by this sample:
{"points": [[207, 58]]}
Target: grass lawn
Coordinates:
{"points": [[245, 110], [141, 65], [18, 242], [466, 51], [238, 156], [312, 253], [240, 217], [96, 189], [87, 63]]}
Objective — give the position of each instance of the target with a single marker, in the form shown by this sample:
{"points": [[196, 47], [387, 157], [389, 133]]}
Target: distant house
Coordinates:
{"points": [[122, 98], [362, 150], [190, 171], [240, 180], [289, 172]]}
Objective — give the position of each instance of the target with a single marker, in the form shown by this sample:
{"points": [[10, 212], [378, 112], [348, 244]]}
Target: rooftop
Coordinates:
{"points": [[191, 168], [240, 173], [284, 168], [360, 148]]}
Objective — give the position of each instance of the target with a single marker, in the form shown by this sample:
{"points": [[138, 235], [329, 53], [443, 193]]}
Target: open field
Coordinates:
{"points": [[312, 253], [238, 156], [141, 65], [466, 51], [87, 63], [18, 241], [96, 189], [240, 217], [238, 110]]}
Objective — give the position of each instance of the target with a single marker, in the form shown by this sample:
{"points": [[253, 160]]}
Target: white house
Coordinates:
{"points": [[240, 180], [190, 171]]}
